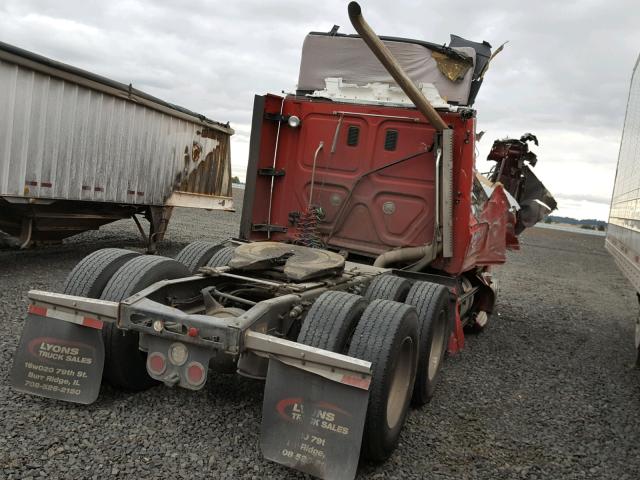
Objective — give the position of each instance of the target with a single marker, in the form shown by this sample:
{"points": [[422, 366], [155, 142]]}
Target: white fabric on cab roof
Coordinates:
{"points": [[349, 58]]}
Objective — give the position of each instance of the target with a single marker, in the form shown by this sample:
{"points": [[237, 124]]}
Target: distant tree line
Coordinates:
{"points": [[575, 221], [587, 224]]}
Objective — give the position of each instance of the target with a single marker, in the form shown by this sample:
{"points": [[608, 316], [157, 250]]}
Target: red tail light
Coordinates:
{"points": [[156, 363], [195, 373]]}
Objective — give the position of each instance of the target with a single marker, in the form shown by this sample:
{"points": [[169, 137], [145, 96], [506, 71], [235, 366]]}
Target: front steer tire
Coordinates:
{"points": [[386, 336], [125, 364]]}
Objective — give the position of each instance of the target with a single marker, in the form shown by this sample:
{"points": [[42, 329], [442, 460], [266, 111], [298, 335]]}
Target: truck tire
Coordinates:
{"points": [[89, 277], [197, 254], [387, 336], [331, 321], [431, 301], [388, 287], [125, 365], [221, 258]]}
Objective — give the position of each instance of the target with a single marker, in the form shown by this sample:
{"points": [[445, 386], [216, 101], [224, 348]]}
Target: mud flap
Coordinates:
{"points": [[312, 423], [58, 359]]}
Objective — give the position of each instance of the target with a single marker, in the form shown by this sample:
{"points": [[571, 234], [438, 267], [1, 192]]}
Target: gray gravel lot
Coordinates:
{"points": [[548, 391]]}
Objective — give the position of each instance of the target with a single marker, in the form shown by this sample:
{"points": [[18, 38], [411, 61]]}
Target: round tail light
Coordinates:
{"points": [[196, 374], [156, 363]]}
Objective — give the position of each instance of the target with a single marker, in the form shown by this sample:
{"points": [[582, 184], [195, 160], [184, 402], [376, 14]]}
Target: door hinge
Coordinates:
{"points": [[270, 172], [276, 117]]}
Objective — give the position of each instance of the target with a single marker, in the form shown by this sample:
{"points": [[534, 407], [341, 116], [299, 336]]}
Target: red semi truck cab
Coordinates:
{"points": [[348, 163]]}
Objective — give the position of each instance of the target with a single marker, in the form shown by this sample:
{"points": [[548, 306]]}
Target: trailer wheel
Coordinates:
{"points": [[197, 254], [432, 304], [388, 287], [331, 321], [221, 258], [89, 277], [387, 336], [125, 365]]}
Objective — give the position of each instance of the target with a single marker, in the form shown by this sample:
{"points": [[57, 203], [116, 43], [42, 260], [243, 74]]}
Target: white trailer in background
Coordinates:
{"points": [[78, 150], [623, 232]]}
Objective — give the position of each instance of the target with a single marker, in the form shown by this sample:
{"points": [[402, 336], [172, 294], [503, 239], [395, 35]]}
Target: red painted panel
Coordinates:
{"points": [[370, 213]]}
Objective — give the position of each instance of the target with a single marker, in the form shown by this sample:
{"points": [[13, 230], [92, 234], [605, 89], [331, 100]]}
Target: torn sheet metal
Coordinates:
{"points": [[512, 156], [536, 201], [489, 187], [452, 68], [483, 57]]}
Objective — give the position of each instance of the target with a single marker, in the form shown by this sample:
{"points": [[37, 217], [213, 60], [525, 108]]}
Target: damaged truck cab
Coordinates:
{"points": [[364, 254]]}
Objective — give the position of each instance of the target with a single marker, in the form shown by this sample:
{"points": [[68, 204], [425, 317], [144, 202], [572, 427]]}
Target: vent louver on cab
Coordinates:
{"points": [[391, 140], [353, 134]]}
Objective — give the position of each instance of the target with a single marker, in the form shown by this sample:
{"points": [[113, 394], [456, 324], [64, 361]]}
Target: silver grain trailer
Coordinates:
{"points": [[623, 232], [78, 150]]}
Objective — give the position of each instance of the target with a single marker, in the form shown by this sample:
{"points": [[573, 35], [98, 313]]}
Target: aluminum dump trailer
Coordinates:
{"points": [[78, 150], [623, 231]]}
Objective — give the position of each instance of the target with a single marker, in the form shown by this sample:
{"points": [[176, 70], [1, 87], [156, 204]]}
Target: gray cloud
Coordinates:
{"points": [[564, 74]]}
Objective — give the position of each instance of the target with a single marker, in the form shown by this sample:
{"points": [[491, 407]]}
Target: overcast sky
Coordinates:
{"points": [[564, 74]]}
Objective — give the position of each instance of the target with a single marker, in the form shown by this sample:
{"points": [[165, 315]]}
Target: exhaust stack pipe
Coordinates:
{"points": [[380, 50]]}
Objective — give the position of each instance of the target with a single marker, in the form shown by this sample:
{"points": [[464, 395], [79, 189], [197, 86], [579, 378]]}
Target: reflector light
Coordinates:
{"points": [[178, 354], [192, 332], [156, 363], [195, 373]]}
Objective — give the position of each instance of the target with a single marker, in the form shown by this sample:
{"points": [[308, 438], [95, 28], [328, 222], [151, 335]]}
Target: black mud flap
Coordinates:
{"points": [[58, 359], [311, 423]]}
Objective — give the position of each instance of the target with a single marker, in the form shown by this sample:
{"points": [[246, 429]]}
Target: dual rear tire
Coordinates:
{"points": [[125, 364], [199, 254], [383, 332], [431, 301], [115, 274], [403, 330]]}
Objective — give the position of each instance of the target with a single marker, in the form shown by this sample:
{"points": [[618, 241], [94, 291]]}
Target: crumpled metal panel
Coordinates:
{"points": [[454, 69], [65, 137]]}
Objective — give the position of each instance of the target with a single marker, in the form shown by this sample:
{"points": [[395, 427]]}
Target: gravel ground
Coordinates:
{"points": [[548, 391]]}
